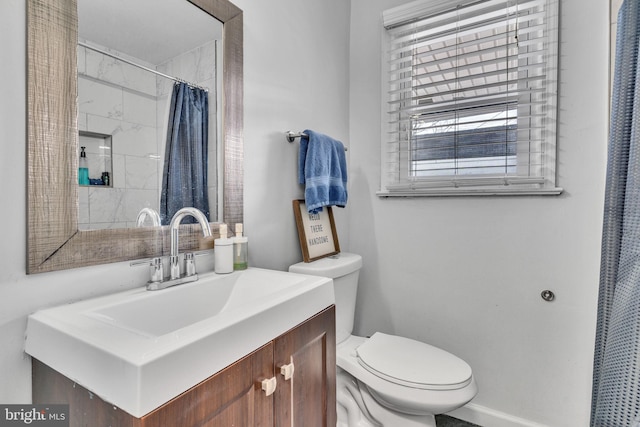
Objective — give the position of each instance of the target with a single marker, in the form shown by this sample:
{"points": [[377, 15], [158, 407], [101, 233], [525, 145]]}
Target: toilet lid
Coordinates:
{"points": [[412, 363]]}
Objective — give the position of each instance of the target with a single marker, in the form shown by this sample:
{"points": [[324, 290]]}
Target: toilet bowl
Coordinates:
{"points": [[387, 380], [409, 381]]}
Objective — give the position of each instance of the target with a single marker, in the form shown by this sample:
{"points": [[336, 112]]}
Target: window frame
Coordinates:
{"points": [[445, 185]]}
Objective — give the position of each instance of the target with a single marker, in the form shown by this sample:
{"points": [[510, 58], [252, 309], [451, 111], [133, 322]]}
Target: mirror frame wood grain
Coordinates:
{"points": [[53, 239]]}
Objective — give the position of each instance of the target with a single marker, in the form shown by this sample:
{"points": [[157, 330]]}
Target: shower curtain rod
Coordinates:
{"points": [[151, 70]]}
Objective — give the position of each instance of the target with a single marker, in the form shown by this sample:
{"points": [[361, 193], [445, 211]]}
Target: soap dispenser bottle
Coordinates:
{"points": [[83, 168], [240, 249], [223, 252]]}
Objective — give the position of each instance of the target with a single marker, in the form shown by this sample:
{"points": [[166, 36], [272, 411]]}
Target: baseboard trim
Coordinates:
{"points": [[487, 417]]}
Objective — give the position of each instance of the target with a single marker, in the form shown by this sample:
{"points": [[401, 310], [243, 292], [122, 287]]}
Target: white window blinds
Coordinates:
{"points": [[471, 98]]}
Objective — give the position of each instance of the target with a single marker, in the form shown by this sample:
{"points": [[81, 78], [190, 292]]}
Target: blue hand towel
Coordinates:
{"points": [[322, 167]]}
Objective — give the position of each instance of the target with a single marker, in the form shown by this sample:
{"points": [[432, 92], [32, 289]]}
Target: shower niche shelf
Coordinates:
{"points": [[98, 149]]}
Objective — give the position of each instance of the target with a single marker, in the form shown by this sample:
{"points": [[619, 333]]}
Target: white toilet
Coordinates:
{"points": [[387, 380]]}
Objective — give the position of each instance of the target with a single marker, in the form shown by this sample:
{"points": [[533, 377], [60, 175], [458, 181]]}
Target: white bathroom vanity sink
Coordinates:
{"points": [[139, 349]]}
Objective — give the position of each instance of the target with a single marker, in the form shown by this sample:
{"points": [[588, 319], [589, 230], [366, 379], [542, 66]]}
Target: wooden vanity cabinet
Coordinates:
{"points": [[233, 396]]}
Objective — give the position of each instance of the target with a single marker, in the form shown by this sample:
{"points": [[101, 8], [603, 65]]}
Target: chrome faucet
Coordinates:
{"points": [[148, 212], [176, 277], [174, 259]]}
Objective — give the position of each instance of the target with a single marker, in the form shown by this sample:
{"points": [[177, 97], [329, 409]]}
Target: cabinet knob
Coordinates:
{"points": [[287, 371], [269, 386]]}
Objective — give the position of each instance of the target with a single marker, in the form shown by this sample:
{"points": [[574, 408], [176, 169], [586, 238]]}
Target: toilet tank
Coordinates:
{"points": [[344, 269]]}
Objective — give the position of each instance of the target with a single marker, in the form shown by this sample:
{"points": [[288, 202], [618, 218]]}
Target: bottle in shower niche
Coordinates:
{"points": [[240, 249], [83, 168], [223, 252]]}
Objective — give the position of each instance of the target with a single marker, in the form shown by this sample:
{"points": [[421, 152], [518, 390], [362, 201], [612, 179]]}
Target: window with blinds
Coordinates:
{"points": [[471, 98]]}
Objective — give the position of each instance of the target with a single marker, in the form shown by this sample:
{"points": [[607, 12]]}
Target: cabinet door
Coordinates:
{"points": [[308, 398], [232, 397]]}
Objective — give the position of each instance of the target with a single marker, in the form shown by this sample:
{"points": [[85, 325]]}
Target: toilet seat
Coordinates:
{"points": [[398, 397], [412, 363]]}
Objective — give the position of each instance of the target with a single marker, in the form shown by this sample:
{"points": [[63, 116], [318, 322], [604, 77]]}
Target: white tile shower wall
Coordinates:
{"points": [[119, 99], [110, 70], [195, 66]]}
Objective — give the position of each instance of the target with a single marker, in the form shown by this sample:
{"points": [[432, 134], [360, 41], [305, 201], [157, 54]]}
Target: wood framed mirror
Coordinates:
{"points": [[54, 241]]}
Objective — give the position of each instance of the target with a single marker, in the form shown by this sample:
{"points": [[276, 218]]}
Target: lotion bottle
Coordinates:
{"points": [[240, 249], [223, 252]]}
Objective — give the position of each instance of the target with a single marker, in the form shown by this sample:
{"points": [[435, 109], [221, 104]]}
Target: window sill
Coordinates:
{"points": [[448, 192]]}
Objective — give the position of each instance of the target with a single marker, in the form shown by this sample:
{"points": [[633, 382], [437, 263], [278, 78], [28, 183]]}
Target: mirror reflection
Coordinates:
{"points": [[54, 239], [147, 112]]}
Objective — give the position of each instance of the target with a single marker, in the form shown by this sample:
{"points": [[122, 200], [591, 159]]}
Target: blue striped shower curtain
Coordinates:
{"points": [[184, 181], [616, 367]]}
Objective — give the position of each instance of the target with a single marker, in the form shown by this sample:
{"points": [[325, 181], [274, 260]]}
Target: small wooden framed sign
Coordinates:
{"points": [[317, 232]]}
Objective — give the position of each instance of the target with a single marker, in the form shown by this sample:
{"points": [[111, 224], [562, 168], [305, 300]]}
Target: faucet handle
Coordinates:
{"points": [[156, 270], [189, 264]]}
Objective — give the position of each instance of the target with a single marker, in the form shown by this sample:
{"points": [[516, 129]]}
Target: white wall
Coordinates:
{"points": [[466, 274], [296, 59], [296, 62]]}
